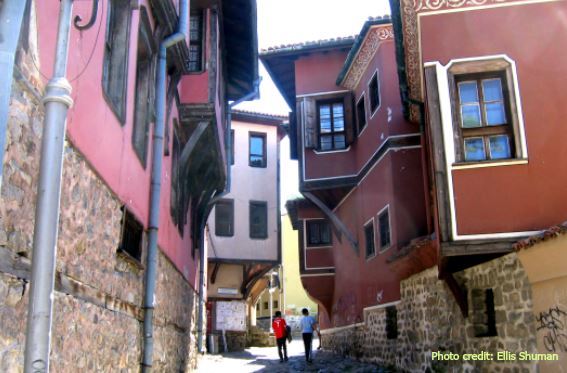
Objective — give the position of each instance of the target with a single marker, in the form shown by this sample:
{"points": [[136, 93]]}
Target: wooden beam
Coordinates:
{"points": [[336, 222], [459, 293], [438, 152]]}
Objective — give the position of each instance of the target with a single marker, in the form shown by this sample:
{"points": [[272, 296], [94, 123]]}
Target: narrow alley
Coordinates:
{"points": [[265, 359]]}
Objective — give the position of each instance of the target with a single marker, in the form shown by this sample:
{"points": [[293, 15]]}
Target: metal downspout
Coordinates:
{"points": [[215, 199], [57, 101], [157, 151]]}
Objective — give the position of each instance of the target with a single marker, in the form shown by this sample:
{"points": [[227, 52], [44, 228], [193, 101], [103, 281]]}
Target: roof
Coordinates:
{"points": [[258, 118], [358, 41], [240, 42], [279, 61], [548, 234]]}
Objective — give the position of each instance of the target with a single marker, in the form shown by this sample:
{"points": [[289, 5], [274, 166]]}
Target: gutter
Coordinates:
{"points": [[202, 257], [157, 155]]}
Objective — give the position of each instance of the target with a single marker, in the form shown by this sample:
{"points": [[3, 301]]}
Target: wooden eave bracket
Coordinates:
{"points": [[338, 226], [459, 292]]}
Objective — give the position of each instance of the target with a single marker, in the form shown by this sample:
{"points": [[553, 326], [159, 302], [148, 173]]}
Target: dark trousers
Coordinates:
{"points": [[282, 343], [307, 339]]}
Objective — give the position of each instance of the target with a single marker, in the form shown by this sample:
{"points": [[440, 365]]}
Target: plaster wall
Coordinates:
{"points": [[250, 184]]}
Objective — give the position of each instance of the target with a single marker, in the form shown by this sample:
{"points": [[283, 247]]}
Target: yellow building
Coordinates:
{"points": [[544, 258], [292, 297]]}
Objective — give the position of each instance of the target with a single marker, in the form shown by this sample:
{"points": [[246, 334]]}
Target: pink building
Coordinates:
{"points": [[105, 204]]}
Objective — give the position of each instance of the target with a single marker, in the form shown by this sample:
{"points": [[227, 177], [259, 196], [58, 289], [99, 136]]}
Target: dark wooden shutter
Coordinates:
{"points": [[348, 102], [310, 125]]}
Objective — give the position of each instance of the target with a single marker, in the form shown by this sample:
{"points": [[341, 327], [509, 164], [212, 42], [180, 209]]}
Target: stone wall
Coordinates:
{"points": [[429, 320], [97, 304]]}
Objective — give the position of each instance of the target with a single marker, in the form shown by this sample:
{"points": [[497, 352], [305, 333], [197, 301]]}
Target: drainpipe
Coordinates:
{"points": [[157, 151], [202, 257], [57, 101]]}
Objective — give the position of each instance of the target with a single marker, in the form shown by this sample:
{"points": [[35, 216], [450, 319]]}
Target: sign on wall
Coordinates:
{"points": [[231, 316]]}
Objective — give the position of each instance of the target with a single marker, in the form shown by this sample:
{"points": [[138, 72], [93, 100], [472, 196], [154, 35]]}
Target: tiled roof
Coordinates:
{"points": [[322, 43], [306, 45], [259, 114], [550, 233]]}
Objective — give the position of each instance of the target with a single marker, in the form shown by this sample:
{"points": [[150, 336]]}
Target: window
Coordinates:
{"points": [[360, 114], [486, 112], [266, 305], [257, 151], [275, 305], [258, 219], [145, 81], [483, 315], [132, 232], [374, 93], [257, 306], [318, 233], [483, 119], [224, 218], [332, 135], [391, 322], [369, 238], [384, 228], [196, 37], [115, 65], [327, 121]]}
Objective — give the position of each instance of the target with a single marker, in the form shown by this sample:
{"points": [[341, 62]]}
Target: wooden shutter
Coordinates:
{"points": [[348, 102], [310, 124]]}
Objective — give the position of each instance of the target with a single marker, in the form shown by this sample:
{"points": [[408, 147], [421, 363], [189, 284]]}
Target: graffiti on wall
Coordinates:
{"points": [[551, 324]]}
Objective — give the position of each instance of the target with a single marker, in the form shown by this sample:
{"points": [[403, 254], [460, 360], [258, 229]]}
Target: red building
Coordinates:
{"points": [[426, 151], [105, 204]]}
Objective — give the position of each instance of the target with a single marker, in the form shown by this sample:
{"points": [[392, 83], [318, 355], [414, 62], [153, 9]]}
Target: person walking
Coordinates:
{"points": [[280, 330], [308, 325]]}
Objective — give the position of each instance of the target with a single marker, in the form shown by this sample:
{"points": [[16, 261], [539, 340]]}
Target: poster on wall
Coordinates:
{"points": [[231, 316]]}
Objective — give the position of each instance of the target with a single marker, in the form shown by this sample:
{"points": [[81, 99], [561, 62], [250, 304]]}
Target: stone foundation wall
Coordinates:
{"points": [[97, 303], [429, 320]]}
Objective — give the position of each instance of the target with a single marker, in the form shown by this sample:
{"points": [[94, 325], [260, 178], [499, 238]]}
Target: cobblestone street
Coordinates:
{"points": [[265, 359]]}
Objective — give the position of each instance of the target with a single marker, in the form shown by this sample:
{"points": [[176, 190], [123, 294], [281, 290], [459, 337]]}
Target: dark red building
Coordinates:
{"points": [[428, 146]]}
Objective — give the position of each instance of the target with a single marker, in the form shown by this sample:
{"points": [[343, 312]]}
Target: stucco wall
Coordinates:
{"points": [[250, 184], [546, 267]]}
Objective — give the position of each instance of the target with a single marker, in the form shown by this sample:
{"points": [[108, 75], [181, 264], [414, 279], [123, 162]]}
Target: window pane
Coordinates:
{"points": [[314, 237], [474, 149], [468, 92], [224, 218], [470, 115], [325, 231], [325, 118], [492, 90], [384, 226], [340, 142], [500, 147], [361, 114], [369, 237], [257, 145], [495, 114], [338, 118], [326, 142], [258, 220]]}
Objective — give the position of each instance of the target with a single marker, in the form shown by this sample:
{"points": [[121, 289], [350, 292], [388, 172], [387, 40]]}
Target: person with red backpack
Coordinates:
{"points": [[280, 330]]}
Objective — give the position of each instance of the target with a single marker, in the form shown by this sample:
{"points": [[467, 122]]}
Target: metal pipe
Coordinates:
{"points": [[57, 101], [157, 151]]}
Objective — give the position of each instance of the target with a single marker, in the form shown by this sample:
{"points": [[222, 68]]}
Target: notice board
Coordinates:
{"points": [[231, 315]]}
